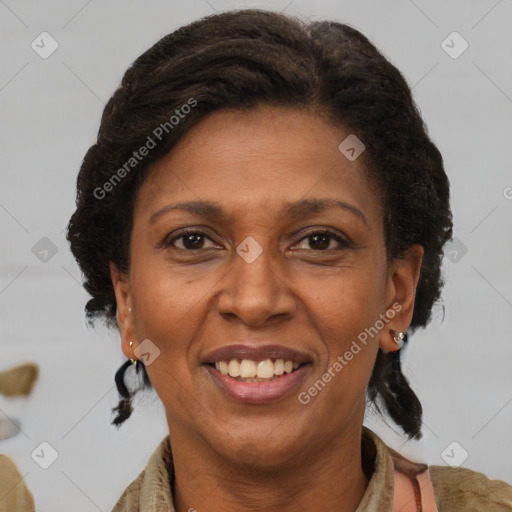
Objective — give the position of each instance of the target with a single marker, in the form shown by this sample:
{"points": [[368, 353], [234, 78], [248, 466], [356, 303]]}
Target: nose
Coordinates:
{"points": [[255, 292]]}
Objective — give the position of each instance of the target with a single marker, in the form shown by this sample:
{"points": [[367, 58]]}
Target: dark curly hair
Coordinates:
{"points": [[240, 59]]}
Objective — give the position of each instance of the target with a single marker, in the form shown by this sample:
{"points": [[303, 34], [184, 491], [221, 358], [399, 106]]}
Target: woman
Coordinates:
{"points": [[263, 217]]}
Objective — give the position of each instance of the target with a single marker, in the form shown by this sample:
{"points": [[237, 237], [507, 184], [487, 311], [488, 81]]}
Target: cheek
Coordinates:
{"points": [[167, 299], [341, 379], [168, 308], [348, 303], [346, 313]]}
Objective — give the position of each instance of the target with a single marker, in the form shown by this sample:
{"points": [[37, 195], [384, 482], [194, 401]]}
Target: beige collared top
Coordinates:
{"points": [[456, 490]]}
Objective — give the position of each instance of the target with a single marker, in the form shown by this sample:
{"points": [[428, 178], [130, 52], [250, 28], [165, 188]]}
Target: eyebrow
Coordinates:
{"points": [[299, 209]]}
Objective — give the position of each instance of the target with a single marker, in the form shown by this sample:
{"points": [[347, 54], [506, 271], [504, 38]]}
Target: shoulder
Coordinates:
{"points": [[22, 499], [152, 485], [129, 500], [461, 489]]}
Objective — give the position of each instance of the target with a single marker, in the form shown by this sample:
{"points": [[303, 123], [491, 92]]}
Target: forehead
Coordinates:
{"points": [[261, 158]]}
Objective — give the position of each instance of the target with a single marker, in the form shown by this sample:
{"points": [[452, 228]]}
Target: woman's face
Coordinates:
{"points": [[256, 284]]}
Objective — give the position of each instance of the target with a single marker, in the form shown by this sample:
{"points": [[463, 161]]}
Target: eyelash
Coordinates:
{"points": [[344, 243]]}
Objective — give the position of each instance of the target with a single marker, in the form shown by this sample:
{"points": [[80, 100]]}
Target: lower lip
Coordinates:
{"points": [[258, 392]]}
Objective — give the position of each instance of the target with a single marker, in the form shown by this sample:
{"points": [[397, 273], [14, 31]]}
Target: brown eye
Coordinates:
{"points": [[322, 240], [190, 240]]}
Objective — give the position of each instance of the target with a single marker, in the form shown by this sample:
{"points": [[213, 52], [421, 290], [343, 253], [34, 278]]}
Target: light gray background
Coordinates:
{"points": [[50, 111]]}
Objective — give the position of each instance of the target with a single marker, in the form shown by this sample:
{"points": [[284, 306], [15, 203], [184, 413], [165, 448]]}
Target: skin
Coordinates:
{"points": [[286, 455]]}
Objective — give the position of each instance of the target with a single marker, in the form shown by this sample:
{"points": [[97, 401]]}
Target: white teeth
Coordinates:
{"points": [[265, 369], [247, 369], [255, 370], [234, 368], [223, 367], [279, 367]]}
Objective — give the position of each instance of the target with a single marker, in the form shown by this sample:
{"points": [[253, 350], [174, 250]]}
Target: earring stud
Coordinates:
{"points": [[133, 361], [398, 337]]}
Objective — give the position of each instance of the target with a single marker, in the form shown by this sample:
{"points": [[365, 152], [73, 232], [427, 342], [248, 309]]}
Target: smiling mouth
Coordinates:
{"points": [[248, 370]]}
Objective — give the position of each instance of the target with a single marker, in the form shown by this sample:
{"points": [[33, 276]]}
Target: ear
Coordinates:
{"points": [[403, 277], [125, 312]]}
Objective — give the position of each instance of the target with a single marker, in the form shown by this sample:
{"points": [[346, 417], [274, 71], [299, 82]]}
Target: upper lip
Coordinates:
{"points": [[256, 353]]}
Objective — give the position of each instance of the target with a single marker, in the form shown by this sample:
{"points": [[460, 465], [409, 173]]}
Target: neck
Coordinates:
{"points": [[332, 479]]}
